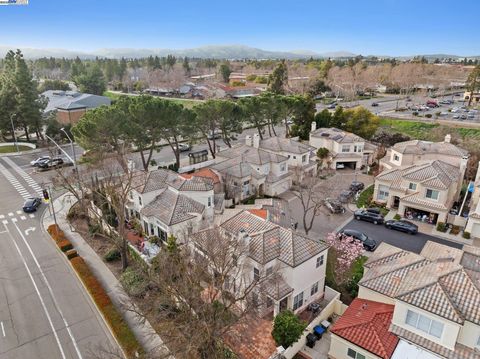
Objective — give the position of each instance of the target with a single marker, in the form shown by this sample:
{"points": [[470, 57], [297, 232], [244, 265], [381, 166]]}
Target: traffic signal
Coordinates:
{"points": [[46, 197]]}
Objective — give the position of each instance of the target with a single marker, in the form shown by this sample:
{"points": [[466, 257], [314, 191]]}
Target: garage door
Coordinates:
{"points": [[350, 165], [476, 230]]}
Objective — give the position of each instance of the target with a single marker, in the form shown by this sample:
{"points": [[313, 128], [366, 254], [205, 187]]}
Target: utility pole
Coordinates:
{"points": [[51, 201], [13, 131], [72, 146]]}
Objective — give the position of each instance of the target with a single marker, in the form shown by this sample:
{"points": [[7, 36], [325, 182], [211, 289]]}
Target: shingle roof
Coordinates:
{"points": [[366, 324], [70, 100], [204, 173], [145, 182], [172, 208], [423, 147], [336, 135], [251, 155]]}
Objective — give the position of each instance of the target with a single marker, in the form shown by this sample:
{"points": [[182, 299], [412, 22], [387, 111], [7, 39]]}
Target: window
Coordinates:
{"points": [[382, 193], [396, 158], [294, 157], [130, 195], [304, 158], [269, 271], [432, 194], [346, 148], [282, 167], [256, 274], [357, 148], [297, 301], [478, 342], [209, 204], [424, 324], [140, 200], [355, 355], [319, 261], [412, 186], [314, 289]]}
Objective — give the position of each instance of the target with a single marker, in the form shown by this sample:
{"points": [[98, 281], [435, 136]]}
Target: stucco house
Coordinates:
{"points": [[435, 297], [290, 266], [421, 180], [247, 170], [473, 223], [346, 150], [167, 204]]}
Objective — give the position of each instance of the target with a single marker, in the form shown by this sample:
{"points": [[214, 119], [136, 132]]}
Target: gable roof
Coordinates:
{"points": [[203, 173], [366, 324], [278, 144], [336, 135], [419, 147], [69, 100], [252, 155]]}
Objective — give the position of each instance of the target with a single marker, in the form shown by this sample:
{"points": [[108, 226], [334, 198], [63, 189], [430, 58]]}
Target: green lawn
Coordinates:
{"points": [[185, 102], [8, 149]]}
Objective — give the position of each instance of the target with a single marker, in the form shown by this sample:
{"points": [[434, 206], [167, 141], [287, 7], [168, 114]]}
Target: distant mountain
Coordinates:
{"points": [[211, 51]]}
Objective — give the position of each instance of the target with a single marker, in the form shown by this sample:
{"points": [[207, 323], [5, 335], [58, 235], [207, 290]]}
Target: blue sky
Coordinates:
{"points": [[383, 27]]}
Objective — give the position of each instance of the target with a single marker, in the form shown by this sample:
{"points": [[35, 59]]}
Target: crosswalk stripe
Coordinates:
{"points": [[31, 182], [23, 218], [31, 215]]}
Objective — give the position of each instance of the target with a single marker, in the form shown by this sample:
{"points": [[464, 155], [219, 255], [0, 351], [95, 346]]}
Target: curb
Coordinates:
{"points": [[65, 259]]}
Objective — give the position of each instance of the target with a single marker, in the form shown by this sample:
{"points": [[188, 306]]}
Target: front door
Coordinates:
{"points": [[284, 304]]}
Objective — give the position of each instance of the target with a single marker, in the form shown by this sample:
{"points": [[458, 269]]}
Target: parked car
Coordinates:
{"points": [[31, 205], [431, 103], [375, 104], [402, 225], [332, 106], [334, 205], [39, 160], [340, 166], [345, 196], [375, 210], [364, 215], [463, 117], [357, 186], [368, 243], [54, 163], [183, 147], [215, 135]]}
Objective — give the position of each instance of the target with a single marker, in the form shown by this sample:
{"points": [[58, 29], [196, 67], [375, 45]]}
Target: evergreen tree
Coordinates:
{"points": [[91, 81], [278, 79]]}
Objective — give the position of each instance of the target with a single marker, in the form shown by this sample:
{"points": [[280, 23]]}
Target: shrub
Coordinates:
{"points": [[72, 253], [287, 328], [153, 162], [415, 113], [397, 217], [466, 235], [64, 245], [441, 227], [455, 230], [113, 317], [112, 255], [428, 115], [133, 282], [155, 240], [251, 77]]}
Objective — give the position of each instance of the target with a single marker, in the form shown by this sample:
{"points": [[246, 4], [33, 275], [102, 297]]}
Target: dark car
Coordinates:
{"points": [[368, 216], [52, 163], [345, 196], [368, 243], [334, 206], [31, 205], [375, 104], [402, 225], [357, 186]]}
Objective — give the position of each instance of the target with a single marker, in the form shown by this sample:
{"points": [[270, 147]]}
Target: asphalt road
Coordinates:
{"points": [[380, 233], [44, 310]]}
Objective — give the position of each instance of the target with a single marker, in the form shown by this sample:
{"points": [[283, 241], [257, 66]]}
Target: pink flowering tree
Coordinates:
{"points": [[343, 253]]}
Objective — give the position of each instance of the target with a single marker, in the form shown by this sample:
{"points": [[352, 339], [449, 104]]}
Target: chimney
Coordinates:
{"points": [[256, 140], [248, 140], [314, 126], [448, 138]]}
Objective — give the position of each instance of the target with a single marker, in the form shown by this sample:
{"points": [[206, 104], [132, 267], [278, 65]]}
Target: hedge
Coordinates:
{"points": [[72, 253], [117, 324], [64, 245], [59, 237]]}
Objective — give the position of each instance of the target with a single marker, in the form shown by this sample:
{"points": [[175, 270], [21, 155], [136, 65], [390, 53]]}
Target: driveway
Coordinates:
{"points": [[326, 222], [380, 233]]}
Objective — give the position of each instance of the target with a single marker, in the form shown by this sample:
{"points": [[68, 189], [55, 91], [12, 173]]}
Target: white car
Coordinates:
{"points": [[340, 166], [39, 160], [183, 147], [455, 110]]}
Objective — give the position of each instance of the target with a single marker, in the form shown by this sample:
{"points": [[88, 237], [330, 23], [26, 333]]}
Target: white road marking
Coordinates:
{"points": [[51, 292], [3, 329], [31, 229], [38, 293], [2, 216], [19, 212], [14, 182], [31, 215], [23, 218], [10, 214], [14, 220], [5, 221], [31, 182]]}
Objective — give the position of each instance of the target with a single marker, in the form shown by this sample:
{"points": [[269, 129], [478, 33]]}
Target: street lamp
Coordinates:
{"points": [[73, 147], [13, 131]]}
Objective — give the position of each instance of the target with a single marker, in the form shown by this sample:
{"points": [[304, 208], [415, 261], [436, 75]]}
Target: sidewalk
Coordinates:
{"points": [[146, 335]]}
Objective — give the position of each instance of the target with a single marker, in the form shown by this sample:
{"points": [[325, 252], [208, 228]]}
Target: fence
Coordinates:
{"points": [[334, 306]]}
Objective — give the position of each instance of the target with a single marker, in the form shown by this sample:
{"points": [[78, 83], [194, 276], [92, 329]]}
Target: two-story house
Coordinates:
{"points": [[435, 297], [345, 149], [473, 223], [247, 170], [411, 152], [166, 203], [424, 191], [290, 267]]}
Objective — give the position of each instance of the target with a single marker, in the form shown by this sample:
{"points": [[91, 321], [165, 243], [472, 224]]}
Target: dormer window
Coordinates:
{"points": [[140, 200], [396, 158]]}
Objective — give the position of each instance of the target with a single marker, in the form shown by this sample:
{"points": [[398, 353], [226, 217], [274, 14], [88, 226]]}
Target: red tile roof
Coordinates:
{"points": [[262, 213], [205, 173], [365, 323]]}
